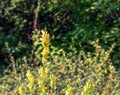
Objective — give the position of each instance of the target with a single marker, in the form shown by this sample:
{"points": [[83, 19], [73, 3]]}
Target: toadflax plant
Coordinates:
{"points": [[31, 80], [45, 45], [41, 40], [88, 89]]}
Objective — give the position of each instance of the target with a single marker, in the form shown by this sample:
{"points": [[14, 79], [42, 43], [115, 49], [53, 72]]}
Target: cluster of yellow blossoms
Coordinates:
{"points": [[69, 91], [31, 80], [88, 88], [45, 45], [43, 72]]}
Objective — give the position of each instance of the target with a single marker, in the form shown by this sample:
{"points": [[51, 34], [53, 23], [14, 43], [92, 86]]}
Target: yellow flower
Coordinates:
{"points": [[52, 80], [20, 90], [69, 91], [45, 44], [87, 88], [45, 38], [45, 52], [42, 86], [30, 78], [43, 72]]}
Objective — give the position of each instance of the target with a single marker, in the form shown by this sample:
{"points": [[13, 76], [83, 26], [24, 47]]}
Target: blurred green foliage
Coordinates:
{"points": [[72, 24]]}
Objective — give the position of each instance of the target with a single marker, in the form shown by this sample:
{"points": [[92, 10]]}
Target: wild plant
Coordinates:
{"points": [[86, 73]]}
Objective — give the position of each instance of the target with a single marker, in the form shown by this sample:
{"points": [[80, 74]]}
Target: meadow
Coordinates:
{"points": [[64, 74], [60, 47]]}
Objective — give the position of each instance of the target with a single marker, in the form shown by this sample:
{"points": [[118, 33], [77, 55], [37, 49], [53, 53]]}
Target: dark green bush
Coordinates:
{"points": [[71, 23]]}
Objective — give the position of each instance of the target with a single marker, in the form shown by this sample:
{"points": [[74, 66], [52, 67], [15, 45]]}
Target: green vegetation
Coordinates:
{"points": [[58, 47]]}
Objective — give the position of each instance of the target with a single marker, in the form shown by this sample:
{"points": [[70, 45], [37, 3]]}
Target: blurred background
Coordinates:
{"points": [[72, 25]]}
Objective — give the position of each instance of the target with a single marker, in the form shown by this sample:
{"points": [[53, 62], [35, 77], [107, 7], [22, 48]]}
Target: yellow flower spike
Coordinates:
{"points": [[30, 78], [87, 88], [52, 81], [42, 86], [69, 91], [20, 90], [45, 38], [45, 52], [45, 44]]}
